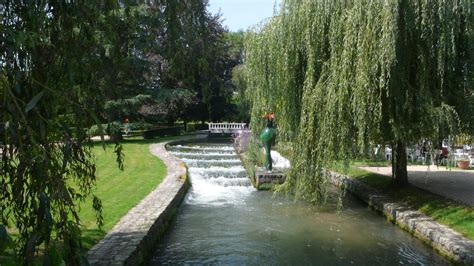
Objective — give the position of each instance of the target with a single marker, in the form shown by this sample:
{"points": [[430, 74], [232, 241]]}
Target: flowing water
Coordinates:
{"points": [[224, 220]]}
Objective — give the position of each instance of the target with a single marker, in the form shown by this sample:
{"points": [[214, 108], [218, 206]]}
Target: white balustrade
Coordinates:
{"points": [[225, 127]]}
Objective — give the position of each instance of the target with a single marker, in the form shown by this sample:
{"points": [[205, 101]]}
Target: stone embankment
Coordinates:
{"points": [[442, 238], [133, 238]]}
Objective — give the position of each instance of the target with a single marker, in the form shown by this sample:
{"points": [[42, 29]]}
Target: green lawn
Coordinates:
{"points": [[120, 190], [458, 216]]}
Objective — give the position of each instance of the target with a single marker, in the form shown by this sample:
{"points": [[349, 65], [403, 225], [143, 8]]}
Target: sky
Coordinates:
{"points": [[241, 14]]}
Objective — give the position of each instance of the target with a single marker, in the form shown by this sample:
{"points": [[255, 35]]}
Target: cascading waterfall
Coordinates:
{"points": [[216, 173]]}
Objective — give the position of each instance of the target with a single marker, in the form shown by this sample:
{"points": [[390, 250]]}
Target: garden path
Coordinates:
{"points": [[455, 184]]}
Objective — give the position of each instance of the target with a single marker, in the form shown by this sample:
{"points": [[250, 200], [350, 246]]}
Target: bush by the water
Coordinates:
{"points": [[114, 130], [191, 127], [164, 131], [139, 126], [201, 126]]}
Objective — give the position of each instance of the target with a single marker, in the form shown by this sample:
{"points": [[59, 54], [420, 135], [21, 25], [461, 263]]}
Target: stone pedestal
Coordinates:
{"points": [[265, 179]]}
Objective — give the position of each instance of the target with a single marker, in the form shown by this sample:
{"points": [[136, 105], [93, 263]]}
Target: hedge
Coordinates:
{"points": [[164, 131]]}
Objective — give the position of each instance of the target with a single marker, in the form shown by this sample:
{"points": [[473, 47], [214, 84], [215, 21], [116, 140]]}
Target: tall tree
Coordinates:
{"points": [[235, 44], [196, 56], [65, 66], [241, 96], [340, 75], [59, 63], [47, 98]]}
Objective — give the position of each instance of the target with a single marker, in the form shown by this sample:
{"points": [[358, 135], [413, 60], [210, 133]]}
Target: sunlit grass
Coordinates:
{"points": [[120, 190]]}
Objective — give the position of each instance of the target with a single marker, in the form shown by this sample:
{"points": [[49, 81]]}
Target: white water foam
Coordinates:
{"points": [[204, 154], [216, 193], [222, 170], [217, 175], [279, 161], [221, 148], [211, 163], [230, 182]]}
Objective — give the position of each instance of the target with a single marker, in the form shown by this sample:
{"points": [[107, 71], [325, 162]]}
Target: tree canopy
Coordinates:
{"points": [[65, 66], [53, 73], [341, 75]]}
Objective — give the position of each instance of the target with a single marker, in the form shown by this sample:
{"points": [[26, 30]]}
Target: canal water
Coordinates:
{"points": [[224, 220]]}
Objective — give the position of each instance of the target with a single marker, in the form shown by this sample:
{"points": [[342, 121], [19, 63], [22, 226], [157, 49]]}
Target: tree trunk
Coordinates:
{"points": [[399, 163]]}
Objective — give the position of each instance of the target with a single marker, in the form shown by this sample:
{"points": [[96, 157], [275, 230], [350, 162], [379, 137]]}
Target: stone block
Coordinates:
{"points": [[264, 177]]}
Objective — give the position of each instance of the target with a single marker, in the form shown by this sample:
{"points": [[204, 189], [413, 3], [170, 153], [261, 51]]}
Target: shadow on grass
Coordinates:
{"points": [[90, 237], [7, 258], [140, 140], [380, 182], [371, 163]]}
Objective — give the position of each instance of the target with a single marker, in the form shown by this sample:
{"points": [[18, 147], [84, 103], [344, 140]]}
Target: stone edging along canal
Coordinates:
{"points": [[442, 238], [132, 240]]}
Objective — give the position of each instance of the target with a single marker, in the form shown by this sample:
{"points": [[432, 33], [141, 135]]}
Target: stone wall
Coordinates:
{"points": [[442, 238], [132, 240]]}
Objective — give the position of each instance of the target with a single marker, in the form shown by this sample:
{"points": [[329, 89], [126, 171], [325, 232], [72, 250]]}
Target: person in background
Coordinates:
{"points": [[126, 126]]}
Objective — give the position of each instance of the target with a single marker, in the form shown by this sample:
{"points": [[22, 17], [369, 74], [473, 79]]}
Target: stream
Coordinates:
{"points": [[224, 220]]}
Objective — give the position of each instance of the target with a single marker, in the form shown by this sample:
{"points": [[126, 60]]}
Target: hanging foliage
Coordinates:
{"points": [[343, 74], [52, 77]]}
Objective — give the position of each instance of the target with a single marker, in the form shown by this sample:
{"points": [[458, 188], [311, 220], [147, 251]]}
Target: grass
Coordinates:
{"points": [[372, 163], [120, 190], [458, 216]]}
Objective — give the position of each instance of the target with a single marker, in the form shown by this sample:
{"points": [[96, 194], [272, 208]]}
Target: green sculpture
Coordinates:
{"points": [[268, 137]]}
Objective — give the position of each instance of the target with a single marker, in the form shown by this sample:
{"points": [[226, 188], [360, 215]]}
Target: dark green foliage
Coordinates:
{"points": [[164, 131], [65, 66], [59, 63], [47, 167], [195, 55], [192, 127], [182, 60], [172, 104], [201, 127], [342, 75], [241, 98], [114, 130], [117, 110], [235, 45], [5, 239]]}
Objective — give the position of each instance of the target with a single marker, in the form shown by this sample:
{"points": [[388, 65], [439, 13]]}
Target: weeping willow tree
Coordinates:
{"points": [[341, 75]]}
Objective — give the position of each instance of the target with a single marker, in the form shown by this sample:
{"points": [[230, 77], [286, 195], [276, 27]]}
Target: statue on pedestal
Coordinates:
{"points": [[268, 137]]}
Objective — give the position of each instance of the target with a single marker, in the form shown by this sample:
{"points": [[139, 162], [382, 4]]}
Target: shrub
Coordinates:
{"points": [[164, 131], [201, 126], [139, 126], [114, 130], [190, 127]]}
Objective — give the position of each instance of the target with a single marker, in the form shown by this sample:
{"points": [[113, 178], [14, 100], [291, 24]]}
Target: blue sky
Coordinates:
{"points": [[241, 14]]}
